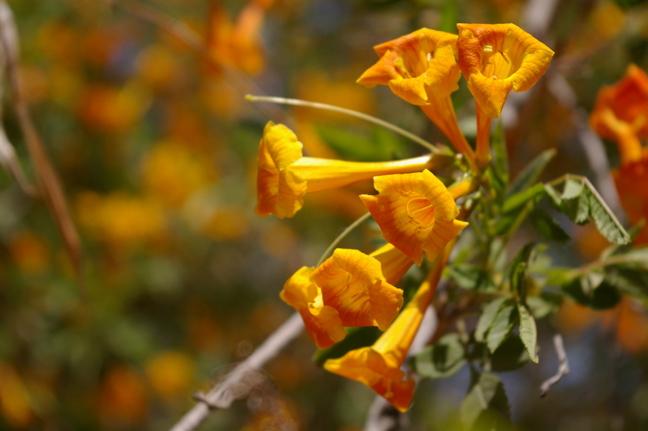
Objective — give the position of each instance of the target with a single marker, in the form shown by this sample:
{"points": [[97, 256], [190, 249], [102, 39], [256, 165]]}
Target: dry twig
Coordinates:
{"points": [[563, 367], [47, 178]]}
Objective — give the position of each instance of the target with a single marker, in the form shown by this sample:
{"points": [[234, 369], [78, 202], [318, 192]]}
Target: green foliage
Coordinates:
{"points": [[380, 145], [446, 357], [470, 277], [356, 338], [547, 226], [486, 406], [531, 173]]}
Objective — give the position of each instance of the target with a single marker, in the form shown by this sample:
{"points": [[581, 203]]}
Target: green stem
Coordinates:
{"points": [[340, 237], [371, 119]]}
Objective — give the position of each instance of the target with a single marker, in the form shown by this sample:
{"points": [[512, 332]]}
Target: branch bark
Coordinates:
{"points": [[229, 389]]}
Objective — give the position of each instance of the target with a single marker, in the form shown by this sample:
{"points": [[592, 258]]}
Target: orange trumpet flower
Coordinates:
{"points": [[284, 176], [621, 113], [421, 69], [416, 213], [348, 289], [496, 59], [379, 366]]}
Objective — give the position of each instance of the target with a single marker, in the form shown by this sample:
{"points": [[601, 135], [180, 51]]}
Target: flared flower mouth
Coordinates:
{"points": [[498, 58], [416, 66], [415, 212], [279, 190], [353, 283], [322, 322], [621, 112]]}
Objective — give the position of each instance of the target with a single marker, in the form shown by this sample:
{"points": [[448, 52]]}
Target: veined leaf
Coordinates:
{"points": [[443, 359], [531, 173], [486, 405], [547, 226], [502, 326], [528, 332], [603, 297], [581, 202], [487, 318], [517, 200]]}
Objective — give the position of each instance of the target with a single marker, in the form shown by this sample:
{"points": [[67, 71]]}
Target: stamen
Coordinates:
{"points": [[488, 48], [423, 215]]}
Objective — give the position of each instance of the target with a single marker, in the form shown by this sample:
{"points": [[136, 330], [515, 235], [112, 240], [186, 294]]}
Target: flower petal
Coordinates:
{"points": [[323, 323], [279, 191], [376, 371], [354, 285], [415, 213], [498, 58]]}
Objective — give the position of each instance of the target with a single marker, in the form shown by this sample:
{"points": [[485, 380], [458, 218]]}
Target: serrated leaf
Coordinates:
{"points": [[581, 202], [532, 172], [528, 332], [502, 327], [631, 281], [486, 405], [509, 356], [487, 318], [355, 339], [547, 226], [446, 357], [470, 277]]}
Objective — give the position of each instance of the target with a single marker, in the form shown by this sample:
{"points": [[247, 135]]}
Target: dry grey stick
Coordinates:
{"points": [[563, 367], [222, 395]]}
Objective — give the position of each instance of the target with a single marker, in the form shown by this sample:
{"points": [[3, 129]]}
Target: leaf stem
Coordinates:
{"points": [[340, 237], [371, 119]]}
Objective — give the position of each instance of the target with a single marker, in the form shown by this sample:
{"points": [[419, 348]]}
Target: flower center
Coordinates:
{"points": [[420, 211], [496, 64]]}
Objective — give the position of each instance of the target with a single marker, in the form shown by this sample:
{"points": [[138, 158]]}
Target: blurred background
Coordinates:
{"points": [[155, 148]]}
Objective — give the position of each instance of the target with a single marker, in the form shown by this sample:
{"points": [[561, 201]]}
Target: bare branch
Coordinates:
{"points": [[563, 367], [234, 385], [48, 180]]}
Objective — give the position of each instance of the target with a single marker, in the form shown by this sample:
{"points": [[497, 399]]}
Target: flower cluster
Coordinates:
{"points": [[414, 209], [621, 114]]}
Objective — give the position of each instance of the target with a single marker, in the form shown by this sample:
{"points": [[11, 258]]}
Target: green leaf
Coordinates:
{"points": [[498, 171], [517, 200], [528, 332], [547, 226], [502, 327], [509, 356], [519, 280], [355, 339], [443, 359], [378, 146], [581, 202], [486, 405], [487, 318], [544, 304], [532, 172], [603, 297], [470, 277], [631, 281]]}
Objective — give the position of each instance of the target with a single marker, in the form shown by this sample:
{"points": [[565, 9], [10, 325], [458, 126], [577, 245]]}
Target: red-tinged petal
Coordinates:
{"points": [[498, 58], [323, 323], [415, 213], [354, 285], [376, 371]]}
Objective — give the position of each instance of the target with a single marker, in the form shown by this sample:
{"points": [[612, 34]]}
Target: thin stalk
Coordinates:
{"points": [[371, 119], [340, 237]]}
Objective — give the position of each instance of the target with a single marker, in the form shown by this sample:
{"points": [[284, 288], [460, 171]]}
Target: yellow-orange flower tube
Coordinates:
{"points": [[421, 68], [631, 181], [348, 289], [495, 59], [416, 213], [379, 366], [621, 113], [284, 176]]}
